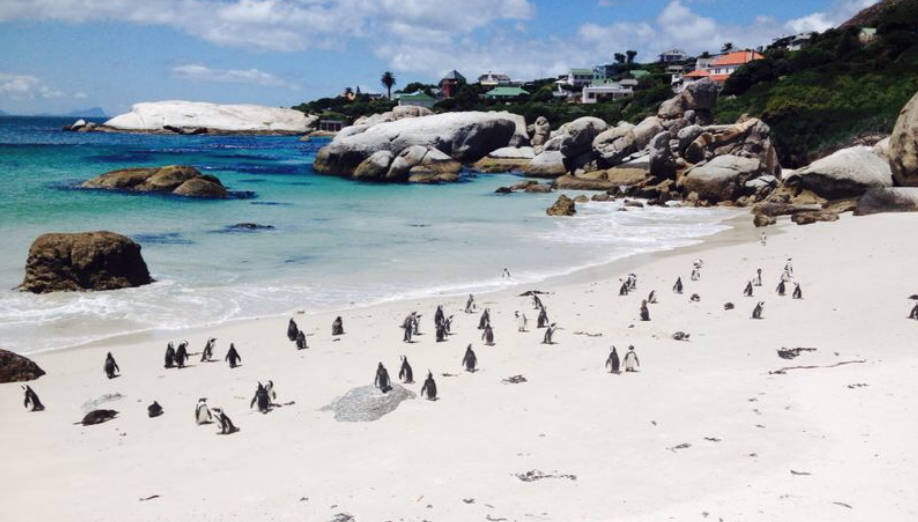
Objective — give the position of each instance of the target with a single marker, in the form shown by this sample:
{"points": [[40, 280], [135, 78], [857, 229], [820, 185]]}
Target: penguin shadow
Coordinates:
{"points": [[114, 376], [229, 432]]}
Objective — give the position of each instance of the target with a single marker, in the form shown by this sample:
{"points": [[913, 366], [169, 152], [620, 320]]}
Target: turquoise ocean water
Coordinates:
{"points": [[335, 243]]}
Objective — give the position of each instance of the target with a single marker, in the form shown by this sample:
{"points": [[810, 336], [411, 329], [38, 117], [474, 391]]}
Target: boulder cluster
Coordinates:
{"points": [[178, 180]]}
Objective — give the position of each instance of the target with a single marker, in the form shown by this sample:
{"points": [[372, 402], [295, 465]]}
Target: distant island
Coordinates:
{"points": [[92, 112]]}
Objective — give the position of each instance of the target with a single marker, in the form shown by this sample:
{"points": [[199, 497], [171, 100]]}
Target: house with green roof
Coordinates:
{"points": [[416, 99], [505, 93], [578, 77]]}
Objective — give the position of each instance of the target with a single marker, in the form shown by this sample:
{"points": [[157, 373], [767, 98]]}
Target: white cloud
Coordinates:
{"points": [[203, 73], [80, 96], [25, 87], [820, 21]]}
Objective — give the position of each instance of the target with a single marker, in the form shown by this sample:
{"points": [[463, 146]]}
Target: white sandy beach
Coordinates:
{"points": [[809, 444]]}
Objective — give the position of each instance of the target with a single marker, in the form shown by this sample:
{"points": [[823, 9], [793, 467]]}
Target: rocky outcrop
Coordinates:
{"points": [[608, 179], [549, 164], [612, 146], [877, 201], [462, 136], [16, 368], [844, 173], [693, 104], [399, 112], [507, 159], [721, 178], [178, 180], [539, 132], [84, 261], [564, 206], [810, 217], [184, 117], [903, 145], [415, 164], [577, 136], [761, 220]]}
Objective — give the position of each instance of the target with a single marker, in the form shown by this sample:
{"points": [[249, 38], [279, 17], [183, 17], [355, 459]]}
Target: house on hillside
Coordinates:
{"points": [[450, 83], [416, 99], [793, 42], [716, 69], [578, 77], [601, 91], [673, 55], [493, 79], [867, 35], [505, 93]]}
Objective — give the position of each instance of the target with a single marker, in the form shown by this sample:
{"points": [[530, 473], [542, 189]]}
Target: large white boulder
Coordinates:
{"points": [[844, 173], [186, 116]]}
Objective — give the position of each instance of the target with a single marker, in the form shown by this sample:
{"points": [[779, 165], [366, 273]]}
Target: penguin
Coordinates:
{"points": [[438, 316], [301, 341], [170, 355], [914, 314], [764, 239], [696, 274], [549, 334], [181, 355], [789, 266], [405, 374], [677, 288], [408, 326], [429, 389], [623, 291], [652, 298], [757, 281], [695, 298], [613, 363], [232, 356], [470, 305], [441, 332], [272, 395], [488, 335], [757, 311], [111, 366], [631, 360], [542, 320], [521, 321], [781, 289], [536, 302], [202, 413], [748, 291], [506, 273], [786, 276], [645, 312], [415, 323], [798, 292], [31, 399], [632, 282], [226, 425], [382, 379], [448, 325], [262, 399], [338, 326], [681, 336], [154, 410], [208, 354], [292, 330], [485, 319], [470, 361]]}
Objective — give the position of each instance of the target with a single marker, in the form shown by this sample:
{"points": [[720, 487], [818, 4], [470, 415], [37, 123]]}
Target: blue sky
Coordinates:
{"points": [[58, 55]]}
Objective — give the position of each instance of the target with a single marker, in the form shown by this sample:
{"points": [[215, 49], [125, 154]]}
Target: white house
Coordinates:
{"points": [[673, 55], [493, 79], [604, 91], [579, 77]]}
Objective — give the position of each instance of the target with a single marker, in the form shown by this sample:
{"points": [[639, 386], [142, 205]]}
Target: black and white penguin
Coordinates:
{"points": [[798, 292], [488, 335], [485, 319], [448, 325], [208, 354], [154, 410], [677, 288], [696, 274], [695, 298], [382, 379], [757, 311], [470, 305], [781, 289], [652, 298], [111, 367], [202, 413], [542, 321], [429, 389], [170, 355], [748, 291], [757, 280], [301, 340], [439, 317], [441, 332], [548, 338], [681, 336], [226, 425], [536, 302], [645, 312], [631, 360], [338, 326], [292, 330], [31, 399], [612, 362], [470, 360], [181, 355], [232, 356], [914, 314], [521, 321], [623, 290], [405, 374], [408, 327], [262, 399]]}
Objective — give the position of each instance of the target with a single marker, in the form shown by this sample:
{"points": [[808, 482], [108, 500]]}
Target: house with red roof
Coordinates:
{"points": [[718, 69]]}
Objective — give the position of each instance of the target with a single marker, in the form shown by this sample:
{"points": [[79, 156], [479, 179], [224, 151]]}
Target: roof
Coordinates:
{"points": [[454, 75], [639, 73], [720, 78], [609, 87], [736, 58], [697, 73], [582, 72], [674, 51], [506, 92], [494, 76], [419, 95]]}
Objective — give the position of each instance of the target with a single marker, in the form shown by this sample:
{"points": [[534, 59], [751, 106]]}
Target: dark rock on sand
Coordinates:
{"points": [[179, 180], [84, 261], [762, 220], [810, 217], [98, 417], [16, 368]]}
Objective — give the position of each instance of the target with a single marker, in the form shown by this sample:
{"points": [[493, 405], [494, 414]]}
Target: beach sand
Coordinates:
{"points": [[705, 430]]}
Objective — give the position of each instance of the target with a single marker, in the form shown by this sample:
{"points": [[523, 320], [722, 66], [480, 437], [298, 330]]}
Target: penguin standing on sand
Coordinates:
{"points": [[914, 314], [301, 340], [757, 280], [415, 323], [470, 360], [441, 332], [764, 239], [652, 298], [757, 311], [429, 389], [226, 425], [748, 291], [521, 321], [232, 356], [438, 316], [677, 288], [645, 312], [262, 399], [405, 374], [408, 326], [181, 355], [631, 360], [542, 321], [632, 282], [470, 305], [208, 354], [338, 326], [549, 334], [202, 413], [170, 355], [31, 399], [448, 325], [696, 274], [623, 290], [111, 366], [488, 335], [613, 363], [485, 320], [781, 289], [292, 330], [154, 410], [798, 292], [382, 379], [789, 267], [536, 302]]}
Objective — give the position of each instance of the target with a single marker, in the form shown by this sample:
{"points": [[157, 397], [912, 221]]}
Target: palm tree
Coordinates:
{"points": [[388, 81]]}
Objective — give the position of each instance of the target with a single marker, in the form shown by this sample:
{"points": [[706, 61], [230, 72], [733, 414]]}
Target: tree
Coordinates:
{"points": [[348, 91], [727, 47], [631, 55], [388, 81], [619, 58]]}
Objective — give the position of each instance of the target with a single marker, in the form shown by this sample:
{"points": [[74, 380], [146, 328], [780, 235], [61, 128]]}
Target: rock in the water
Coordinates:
{"points": [[609, 179], [375, 167], [898, 199], [721, 178], [564, 206], [844, 173], [549, 164], [98, 417], [16, 368], [248, 227], [179, 180], [810, 217], [184, 117], [84, 261], [903, 145], [367, 404]]}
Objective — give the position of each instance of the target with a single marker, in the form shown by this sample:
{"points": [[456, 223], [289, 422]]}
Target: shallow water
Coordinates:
{"points": [[334, 244]]}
